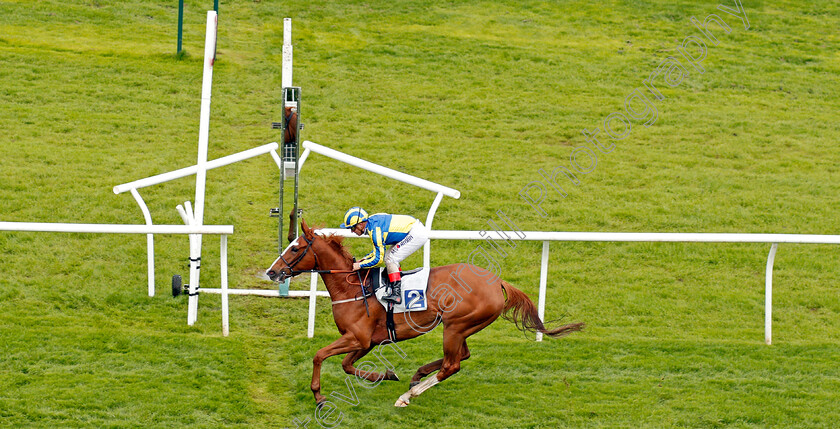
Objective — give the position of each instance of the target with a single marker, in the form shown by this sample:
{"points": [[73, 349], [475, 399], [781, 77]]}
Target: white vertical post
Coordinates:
{"points": [[302, 159], [195, 264], [201, 165], [768, 294], [277, 159], [313, 287], [427, 247], [286, 76], [150, 240], [543, 282], [223, 262]]}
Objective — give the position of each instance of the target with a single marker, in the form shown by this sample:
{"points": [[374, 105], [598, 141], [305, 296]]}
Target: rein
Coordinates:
{"points": [[293, 272], [358, 298], [300, 257]]}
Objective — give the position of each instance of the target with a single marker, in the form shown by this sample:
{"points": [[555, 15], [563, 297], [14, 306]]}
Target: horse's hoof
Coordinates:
{"points": [[391, 376], [320, 404], [402, 403], [413, 383]]}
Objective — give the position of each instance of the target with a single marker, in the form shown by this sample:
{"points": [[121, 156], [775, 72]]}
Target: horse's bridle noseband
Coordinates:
{"points": [[291, 265], [292, 272]]}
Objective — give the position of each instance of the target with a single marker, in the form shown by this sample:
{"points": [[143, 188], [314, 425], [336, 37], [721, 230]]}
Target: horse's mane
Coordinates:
{"points": [[335, 242]]}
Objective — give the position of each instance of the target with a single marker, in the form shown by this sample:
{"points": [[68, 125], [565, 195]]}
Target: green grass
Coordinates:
{"points": [[476, 96]]}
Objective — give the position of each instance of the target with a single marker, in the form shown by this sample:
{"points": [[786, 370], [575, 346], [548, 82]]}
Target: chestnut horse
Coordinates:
{"points": [[479, 299], [291, 119]]}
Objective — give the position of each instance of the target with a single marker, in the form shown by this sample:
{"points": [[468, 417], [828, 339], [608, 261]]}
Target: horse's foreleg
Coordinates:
{"points": [[346, 344], [352, 357]]}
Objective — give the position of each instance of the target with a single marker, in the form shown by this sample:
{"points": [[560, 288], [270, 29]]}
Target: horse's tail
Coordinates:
{"points": [[520, 310]]}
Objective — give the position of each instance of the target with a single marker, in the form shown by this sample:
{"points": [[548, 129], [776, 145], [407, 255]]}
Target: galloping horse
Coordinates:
{"points": [[481, 297]]}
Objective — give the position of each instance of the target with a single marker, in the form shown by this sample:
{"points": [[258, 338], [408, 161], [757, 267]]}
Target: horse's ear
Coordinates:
{"points": [[293, 215], [305, 228]]}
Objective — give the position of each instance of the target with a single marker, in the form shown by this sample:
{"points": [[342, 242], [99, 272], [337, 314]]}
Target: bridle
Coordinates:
{"points": [[298, 258]]}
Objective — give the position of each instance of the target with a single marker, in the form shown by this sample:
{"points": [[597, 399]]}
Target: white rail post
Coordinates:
{"points": [[223, 263], [201, 172], [427, 247], [543, 282], [313, 287], [768, 294], [150, 240], [192, 307], [286, 71]]}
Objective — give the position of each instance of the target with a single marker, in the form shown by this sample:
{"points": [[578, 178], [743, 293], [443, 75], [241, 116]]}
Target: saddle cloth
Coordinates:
{"points": [[414, 284]]}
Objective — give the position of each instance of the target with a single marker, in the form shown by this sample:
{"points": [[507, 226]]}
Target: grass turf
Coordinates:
{"points": [[477, 96]]}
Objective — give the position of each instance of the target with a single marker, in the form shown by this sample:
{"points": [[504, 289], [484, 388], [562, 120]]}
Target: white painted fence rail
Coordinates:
{"points": [[105, 228], [188, 171], [97, 228], [378, 169], [195, 250], [548, 236], [698, 237]]}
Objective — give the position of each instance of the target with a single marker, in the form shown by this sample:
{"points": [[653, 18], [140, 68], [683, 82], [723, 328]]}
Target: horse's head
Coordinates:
{"points": [[298, 256]]}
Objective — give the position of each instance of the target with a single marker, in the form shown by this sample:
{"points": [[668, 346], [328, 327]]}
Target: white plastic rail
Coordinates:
{"points": [[547, 236], [105, 228], [96, 228], [378, 169], [390, 173]]}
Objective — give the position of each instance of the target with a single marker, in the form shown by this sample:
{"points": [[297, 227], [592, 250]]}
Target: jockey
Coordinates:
{"points": [[404, 234]]}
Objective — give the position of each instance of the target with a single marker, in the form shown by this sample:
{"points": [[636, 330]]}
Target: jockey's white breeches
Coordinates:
{"points": [[417, 236]]}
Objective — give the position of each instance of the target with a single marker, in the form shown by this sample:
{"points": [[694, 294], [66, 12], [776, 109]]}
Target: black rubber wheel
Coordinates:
{"points": [[176, 285]]}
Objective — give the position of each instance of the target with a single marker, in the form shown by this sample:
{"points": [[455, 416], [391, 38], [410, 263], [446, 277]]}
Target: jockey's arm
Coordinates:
{"points": [[375, 256]]}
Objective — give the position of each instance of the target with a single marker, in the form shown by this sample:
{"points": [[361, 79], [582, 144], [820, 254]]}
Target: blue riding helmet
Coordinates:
{"points": [[353, 216]]}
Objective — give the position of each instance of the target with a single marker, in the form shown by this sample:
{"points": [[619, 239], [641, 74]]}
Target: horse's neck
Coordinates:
{"points": [[337, 283], [338, 286]]}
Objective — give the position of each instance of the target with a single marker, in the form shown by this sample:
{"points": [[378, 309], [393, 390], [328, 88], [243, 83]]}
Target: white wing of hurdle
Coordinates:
{"points": [[440, 190], [310, 147], [177, 174], [195, 217]]}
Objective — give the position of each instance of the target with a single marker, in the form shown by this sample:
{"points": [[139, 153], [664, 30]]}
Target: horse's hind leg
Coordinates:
{"points": [[453, 342], [425, 370], [436, 365], [352, 357]]}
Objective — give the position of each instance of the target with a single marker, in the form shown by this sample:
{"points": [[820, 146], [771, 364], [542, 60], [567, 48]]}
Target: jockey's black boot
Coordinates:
{"points": [[395, 294], [394, 288]]}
